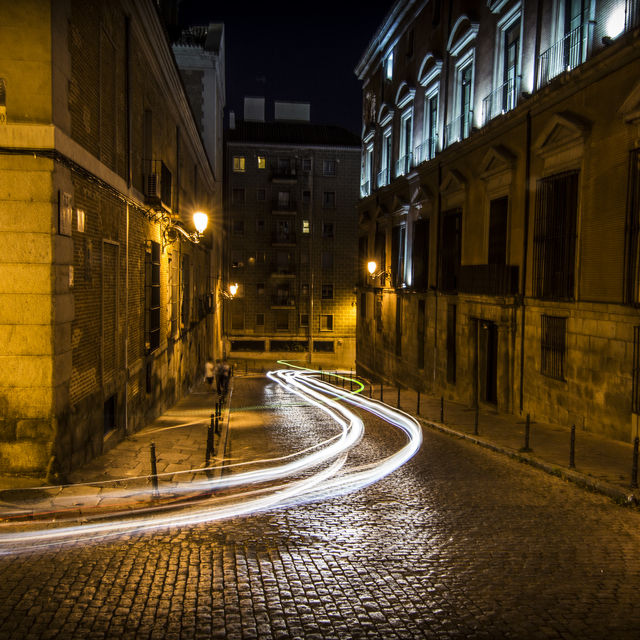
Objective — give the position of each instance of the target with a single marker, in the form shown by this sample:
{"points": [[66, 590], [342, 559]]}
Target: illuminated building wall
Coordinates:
{"points": [[291, 190], [106, 311], [499, 192]]}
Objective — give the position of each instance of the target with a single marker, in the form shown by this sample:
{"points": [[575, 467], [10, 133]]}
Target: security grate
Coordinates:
{"points": [[635, 389], [552, 343], [554, 240]]}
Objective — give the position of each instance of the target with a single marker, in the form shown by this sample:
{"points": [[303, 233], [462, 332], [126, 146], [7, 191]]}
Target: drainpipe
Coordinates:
{"points": [[525, 251]]}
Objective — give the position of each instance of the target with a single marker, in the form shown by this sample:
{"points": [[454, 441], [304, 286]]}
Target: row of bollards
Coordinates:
{"points": [[527, 428]]}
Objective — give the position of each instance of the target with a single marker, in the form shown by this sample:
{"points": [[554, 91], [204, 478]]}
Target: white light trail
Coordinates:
{"points": [[327, 459]]}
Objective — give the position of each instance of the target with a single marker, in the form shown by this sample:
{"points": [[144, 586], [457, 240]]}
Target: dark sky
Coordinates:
{"points": [[302, 51]]}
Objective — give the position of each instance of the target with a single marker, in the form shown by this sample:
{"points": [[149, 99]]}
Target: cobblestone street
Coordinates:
{"points": [[459, 543]]}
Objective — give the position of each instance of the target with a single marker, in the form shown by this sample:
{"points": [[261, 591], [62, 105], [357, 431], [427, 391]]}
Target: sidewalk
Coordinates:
{"points": [[180, 438]]}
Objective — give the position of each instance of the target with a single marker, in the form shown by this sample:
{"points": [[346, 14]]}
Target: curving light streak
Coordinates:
{"points": [[330, 479]]}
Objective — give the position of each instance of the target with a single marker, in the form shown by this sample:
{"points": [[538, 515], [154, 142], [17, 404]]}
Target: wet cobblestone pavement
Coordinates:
{"points": [[458, 543]]}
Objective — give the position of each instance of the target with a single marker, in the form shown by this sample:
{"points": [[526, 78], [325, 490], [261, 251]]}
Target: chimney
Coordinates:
{"points": [[254, 109]]}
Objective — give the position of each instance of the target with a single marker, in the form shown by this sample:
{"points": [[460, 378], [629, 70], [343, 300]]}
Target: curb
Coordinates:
{"points": [[617, 494]]}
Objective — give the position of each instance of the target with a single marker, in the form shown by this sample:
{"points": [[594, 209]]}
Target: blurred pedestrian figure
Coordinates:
{"points": [[219, 374], [208, 373], [226, 374]]}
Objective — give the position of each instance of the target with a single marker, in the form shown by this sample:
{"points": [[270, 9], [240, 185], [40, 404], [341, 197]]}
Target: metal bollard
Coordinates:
{"points": [[351, 381], [246, 367], [209, 450], [381, 393], [418, 403], [634, 468], [527, 428], [321, 375], [370, 390], [442, 409], [398, 401], [217, 428], [154, 470], [572, 448], [476, 421]]}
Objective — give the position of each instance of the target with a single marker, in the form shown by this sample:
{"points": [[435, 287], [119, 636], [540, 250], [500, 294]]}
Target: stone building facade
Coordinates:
{"points": [[499, 199], [106, 300], [291, 191]]}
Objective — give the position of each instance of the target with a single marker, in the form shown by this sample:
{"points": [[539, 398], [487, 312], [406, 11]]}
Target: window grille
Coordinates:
{"points": [[554, 240], [552, 343], [635, 397], [153, 297], [632, 280]]}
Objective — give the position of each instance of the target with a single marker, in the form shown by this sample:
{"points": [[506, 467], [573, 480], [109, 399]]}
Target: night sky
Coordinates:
{"points": [[299, 51]]}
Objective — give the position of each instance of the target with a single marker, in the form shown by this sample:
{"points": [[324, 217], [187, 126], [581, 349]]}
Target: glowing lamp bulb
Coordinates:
{"points": [[615, 22], [371, 267], [200, 221], [233, 288]]}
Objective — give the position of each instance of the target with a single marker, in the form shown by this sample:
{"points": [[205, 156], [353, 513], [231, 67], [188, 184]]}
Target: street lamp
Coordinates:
{"points": [[233, 289], [200, 221], [371, 268], [171, 229]]}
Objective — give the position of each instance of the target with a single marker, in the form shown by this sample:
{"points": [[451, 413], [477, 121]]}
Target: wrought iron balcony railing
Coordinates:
{"points": [[383, 177], [425, 151], [403, 165], [564, 55], [458, 129], [502, 99]]}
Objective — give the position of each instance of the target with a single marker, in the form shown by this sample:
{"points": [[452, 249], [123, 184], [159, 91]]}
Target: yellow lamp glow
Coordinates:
{"points": [[371, 267], [200, 221], [233, 288]]}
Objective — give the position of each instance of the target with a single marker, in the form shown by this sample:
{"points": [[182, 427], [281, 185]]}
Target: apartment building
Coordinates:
{"points": [[107, 291], [291, 191], [500, 207]]}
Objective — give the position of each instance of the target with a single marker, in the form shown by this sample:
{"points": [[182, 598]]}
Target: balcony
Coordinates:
{"points": [[566, 54], [157, 184], [425, 151], [283, 239], [503, 99], [283, 302], [288, 206], [458, 129], [283, 270], [365, 189], [489, 279], [284, 174], [403, 166], [383, 177]]}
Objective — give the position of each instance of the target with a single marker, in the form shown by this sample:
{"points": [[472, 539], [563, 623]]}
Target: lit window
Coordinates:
{"points": [[306, 226], [262, 162], [389, 66], [238, 164]]}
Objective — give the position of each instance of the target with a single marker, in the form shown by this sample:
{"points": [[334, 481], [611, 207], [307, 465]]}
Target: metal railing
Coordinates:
{"points": [[425, 151], [564, 55], [365, 189], [284, 205], [283, 238], [502, 99], [383, 177], [283, 301], [403, 165], [458, 129]]}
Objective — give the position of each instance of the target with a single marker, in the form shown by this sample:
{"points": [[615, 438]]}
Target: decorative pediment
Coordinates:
{"points": [[497, 160], [368, 133], [453, 181], [421, 193], [564, 131], [430, 70], [496, 6], [399, 204], [463, 33], [405, 95], [381, 212], [385, 115], [630, 109]]}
